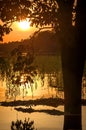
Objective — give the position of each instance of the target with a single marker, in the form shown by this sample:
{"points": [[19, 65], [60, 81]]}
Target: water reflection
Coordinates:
{"points": [[42, 120], [45, 85], [41, 116]]}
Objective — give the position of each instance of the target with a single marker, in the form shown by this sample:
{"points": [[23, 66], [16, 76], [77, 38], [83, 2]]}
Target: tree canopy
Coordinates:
{"points": [[39, 12]]}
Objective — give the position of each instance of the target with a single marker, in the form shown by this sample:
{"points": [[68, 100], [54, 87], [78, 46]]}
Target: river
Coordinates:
{"points": [[42, 121]]}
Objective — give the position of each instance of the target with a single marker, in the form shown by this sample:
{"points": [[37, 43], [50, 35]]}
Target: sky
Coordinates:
{"points": [[18, 33]]}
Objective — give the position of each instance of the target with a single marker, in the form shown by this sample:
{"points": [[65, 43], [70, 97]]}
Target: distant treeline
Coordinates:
{"points": [[44, 43]]}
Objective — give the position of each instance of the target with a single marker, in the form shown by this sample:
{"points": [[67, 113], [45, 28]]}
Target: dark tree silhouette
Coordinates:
{"points": [[72, 38], [73, 45]]}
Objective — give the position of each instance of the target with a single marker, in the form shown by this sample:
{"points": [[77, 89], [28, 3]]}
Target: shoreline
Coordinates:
{"points": [[42, 101], [54, 102]]}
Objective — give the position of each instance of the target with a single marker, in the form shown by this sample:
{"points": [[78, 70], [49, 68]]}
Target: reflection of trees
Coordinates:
{"points": [[17, 69]]}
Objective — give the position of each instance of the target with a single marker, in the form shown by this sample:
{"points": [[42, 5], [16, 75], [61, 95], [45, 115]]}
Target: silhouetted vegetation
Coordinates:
{"points": [[47, 111], [43, 101], [43, 43], [17, 69], [22, 125]]}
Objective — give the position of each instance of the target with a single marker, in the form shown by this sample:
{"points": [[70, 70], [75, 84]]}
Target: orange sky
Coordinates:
{"points": [[18, 34]]}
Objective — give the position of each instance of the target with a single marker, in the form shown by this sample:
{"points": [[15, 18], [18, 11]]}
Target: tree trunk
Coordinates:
{"points": [[73, 56], [72, 65]]}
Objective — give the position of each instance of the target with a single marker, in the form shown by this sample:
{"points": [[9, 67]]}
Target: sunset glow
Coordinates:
{"points": [[24, 25]]}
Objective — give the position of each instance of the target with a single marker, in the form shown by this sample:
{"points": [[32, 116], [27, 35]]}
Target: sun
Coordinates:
{"points": [[24, 24]]}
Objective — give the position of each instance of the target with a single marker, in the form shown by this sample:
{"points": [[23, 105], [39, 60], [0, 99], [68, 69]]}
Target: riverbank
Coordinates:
{"points": [[42, 101]]}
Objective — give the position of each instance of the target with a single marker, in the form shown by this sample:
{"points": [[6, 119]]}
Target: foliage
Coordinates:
{"points": [[48, 63], [39, 12], [4, 29], [22, 66], [3, 67], [18, 69], [22, 125], [35, 10]]}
